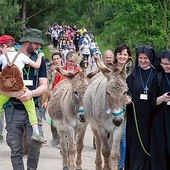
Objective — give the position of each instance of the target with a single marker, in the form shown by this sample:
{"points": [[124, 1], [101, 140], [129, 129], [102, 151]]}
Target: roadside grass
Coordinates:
{"points": [[99, 41], [46, 52], [102, 46]]}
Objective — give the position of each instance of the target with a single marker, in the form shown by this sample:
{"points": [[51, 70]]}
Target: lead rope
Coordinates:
{"points": [[137, 129]]}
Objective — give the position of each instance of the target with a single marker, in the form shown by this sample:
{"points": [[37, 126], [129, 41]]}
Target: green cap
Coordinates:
{"points": [[32, 35]]}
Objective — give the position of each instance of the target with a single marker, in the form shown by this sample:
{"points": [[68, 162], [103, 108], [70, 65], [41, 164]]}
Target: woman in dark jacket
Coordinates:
{"points": [[139, 83], [160, 136]]}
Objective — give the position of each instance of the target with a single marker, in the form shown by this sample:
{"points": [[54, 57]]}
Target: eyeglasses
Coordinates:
{"points": [[71, 62], [165, 64]]}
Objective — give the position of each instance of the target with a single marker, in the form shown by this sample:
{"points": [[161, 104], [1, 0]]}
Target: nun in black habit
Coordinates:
{"points": [[139, 112], [160, 135]]}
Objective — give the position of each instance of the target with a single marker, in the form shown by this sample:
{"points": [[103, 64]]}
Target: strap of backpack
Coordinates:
{"points": [[7, 59], [13, 61], [159, 78]]}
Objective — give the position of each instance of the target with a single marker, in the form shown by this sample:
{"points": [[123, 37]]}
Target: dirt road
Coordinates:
{"points": [[50, 158]]}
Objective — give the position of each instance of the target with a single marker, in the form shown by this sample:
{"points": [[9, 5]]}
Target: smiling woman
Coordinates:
{"points": [[71, 65], [167, 63], [160, 149], [122, 53], [140, 118]]}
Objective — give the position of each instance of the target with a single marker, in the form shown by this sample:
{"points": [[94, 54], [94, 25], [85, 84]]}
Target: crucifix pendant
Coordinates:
{"points": [[146, 90]]}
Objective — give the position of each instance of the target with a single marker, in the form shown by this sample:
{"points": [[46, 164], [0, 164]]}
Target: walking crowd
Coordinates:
{"points": [[65, 38], [145, 142]]}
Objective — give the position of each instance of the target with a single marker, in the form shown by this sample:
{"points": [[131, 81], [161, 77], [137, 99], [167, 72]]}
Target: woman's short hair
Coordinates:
{"points": [[56, 53], [73, 55]]}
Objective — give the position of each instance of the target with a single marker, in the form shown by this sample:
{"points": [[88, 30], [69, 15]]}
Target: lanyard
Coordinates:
{"points": [[145, 86], [27, 72], [167, 79]]}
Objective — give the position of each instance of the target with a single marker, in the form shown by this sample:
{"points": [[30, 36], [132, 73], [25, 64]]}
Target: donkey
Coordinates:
{"points": [[65, 109], [104, 109]]}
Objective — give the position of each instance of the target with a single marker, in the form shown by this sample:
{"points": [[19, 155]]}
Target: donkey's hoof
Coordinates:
{"points": [[65, 168], [60, 152]]}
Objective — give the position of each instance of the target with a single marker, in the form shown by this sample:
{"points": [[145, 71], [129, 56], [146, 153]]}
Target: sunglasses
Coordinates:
{"points": [[72, 62]]}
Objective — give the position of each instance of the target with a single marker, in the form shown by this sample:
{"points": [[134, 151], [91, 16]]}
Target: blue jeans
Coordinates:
{"points": [[122, 149]]}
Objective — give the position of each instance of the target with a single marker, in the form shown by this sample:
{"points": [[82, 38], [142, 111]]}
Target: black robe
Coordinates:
{"points": [[160, 136], [136, 158]]}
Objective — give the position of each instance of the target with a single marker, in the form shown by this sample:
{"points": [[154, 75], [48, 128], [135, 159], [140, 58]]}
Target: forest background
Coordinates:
{"points": [[112, 22]]}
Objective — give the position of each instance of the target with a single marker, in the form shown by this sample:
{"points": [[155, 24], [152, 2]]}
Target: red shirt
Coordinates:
{"points": [[58, 77]]}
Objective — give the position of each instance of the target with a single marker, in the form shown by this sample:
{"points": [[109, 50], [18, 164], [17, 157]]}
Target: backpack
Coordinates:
{"points": [[10, 77]]}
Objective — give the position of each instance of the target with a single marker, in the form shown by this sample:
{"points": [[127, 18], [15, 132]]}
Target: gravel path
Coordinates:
{"points": [[50, 158]]}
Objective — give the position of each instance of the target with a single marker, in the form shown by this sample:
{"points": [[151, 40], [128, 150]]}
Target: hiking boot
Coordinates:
{"points": [[58, 146], [38, 138], [54, 142]]}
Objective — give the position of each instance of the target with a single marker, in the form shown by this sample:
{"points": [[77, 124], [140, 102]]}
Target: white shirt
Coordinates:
{"points": [[55, 34], [85, 49], [93, 45], [64, 52], [20, 62]]}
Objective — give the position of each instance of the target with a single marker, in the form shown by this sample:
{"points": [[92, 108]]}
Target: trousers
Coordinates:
{"points": [[16, 121], [2, 122], [29, 106], [121, 163]]}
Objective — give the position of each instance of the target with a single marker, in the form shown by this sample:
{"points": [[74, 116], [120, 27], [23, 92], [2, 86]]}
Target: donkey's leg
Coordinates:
{"points": [[104, 136], [98, 160], [71, 137], [114, 158], [80, 145], [63, 144]]}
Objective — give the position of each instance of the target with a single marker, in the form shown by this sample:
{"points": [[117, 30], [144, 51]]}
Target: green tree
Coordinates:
{"points": [[139, 22], [113, 22], [9, 17]]}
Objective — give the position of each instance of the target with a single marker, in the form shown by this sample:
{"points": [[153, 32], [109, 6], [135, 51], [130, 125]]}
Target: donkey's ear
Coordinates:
{"points": [[91, 74], [101, 66], [65, 73], [128, 67]]}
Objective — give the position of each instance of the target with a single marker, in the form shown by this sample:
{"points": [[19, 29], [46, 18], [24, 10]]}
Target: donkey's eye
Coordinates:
{"points": [[108, 93], [75, 92], [125, 93]]}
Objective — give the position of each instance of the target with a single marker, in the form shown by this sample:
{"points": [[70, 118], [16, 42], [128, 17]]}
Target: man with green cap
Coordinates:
{"points": [[15, 113]]}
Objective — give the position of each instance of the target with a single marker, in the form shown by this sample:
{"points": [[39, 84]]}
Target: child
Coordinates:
{"points": [[6, 46]]}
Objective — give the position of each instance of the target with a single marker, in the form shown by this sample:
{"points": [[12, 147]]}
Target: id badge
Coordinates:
{"points": [[28, 82], [143, 96], [108, 111]]}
